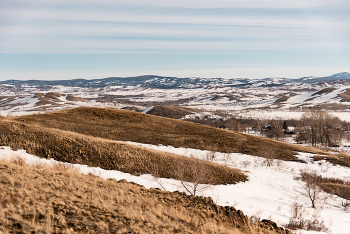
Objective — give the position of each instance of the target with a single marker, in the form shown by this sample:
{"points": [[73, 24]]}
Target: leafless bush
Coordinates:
{"points": [[194, 176], [245, 163], [256, 217], [298, 220], [211, 156], [311, 189], [154, 170], [227, 157], [316, 224], [269, 156]]}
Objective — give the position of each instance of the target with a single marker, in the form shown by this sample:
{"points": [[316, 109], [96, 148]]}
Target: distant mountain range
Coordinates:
{"points": [[152, 81]]}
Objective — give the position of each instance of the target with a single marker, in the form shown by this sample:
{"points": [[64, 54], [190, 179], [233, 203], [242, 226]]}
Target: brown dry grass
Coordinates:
{"points": [[174, 112], [131, 126], [345, 96], [61, 200], [97, 152], [330, 185], [342, 159], [324, 91]]}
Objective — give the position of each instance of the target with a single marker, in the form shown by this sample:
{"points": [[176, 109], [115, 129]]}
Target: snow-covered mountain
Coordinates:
{"points": [[159, 82], [233, 95]]}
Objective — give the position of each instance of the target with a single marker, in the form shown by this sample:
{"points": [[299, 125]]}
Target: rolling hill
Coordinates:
{"points": [[37, 199], [66, 146], [122, 125]]}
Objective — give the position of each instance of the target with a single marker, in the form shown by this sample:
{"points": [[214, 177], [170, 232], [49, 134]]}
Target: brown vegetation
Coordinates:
{"points": [[345, 96], [61, 200], [342, 159], [174, 112], [137, 127], [298, 221], [324, 91], [335, 186], [74, 99], [97, 152], [321, 127]]}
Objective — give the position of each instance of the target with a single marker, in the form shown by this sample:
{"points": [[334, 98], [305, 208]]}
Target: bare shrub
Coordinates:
{"points": [[245, 163], [211, 156], [196, 172], [227, 157], [256, 217], [153, 169], [311, 189], [316, 223], [298, 220], [269, 156]]}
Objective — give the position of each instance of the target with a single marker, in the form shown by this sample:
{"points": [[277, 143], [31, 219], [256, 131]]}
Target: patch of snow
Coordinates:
{"points": [[147, 109]]}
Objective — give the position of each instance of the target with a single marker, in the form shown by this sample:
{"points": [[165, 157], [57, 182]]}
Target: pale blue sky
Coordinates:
{"points": [[41, 39]]}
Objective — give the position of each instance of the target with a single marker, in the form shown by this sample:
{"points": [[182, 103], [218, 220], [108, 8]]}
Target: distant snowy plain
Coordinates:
{"points": [[269, 193], [257, 103]]}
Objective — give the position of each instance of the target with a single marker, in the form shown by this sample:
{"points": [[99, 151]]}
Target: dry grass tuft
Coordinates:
{"points": [[44, 200], [18, 160]]}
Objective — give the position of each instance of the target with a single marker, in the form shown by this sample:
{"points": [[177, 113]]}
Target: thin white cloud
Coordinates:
{"points": [[151, 18], [76, 45], [190, 27], [192, 3]]}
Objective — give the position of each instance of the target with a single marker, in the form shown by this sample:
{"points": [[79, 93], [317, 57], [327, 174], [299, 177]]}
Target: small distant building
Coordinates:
{"points": [[267, 127], [290, 130]]}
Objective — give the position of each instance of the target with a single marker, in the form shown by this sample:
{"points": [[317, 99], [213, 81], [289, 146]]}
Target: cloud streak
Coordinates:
{"points": [[283, 32], [276, 4]]}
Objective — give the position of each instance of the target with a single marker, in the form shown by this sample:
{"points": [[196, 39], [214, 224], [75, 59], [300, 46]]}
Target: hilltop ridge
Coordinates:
{"points": [[123, 125]]}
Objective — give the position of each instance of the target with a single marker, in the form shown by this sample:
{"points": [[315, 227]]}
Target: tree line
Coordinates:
{"points": [[315, 127]]}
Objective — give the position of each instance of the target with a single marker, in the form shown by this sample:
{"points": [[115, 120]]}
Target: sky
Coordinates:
{"points": [[61, 39]]}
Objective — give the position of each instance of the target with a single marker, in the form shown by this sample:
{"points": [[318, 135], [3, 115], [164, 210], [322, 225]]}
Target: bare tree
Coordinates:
{"points": [[234, 125], [322, 126]]}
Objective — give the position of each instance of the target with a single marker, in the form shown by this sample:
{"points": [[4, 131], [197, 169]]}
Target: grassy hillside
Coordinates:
{"points": [[61, 200], [174, 112], [125, 125], [97, 152]]}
